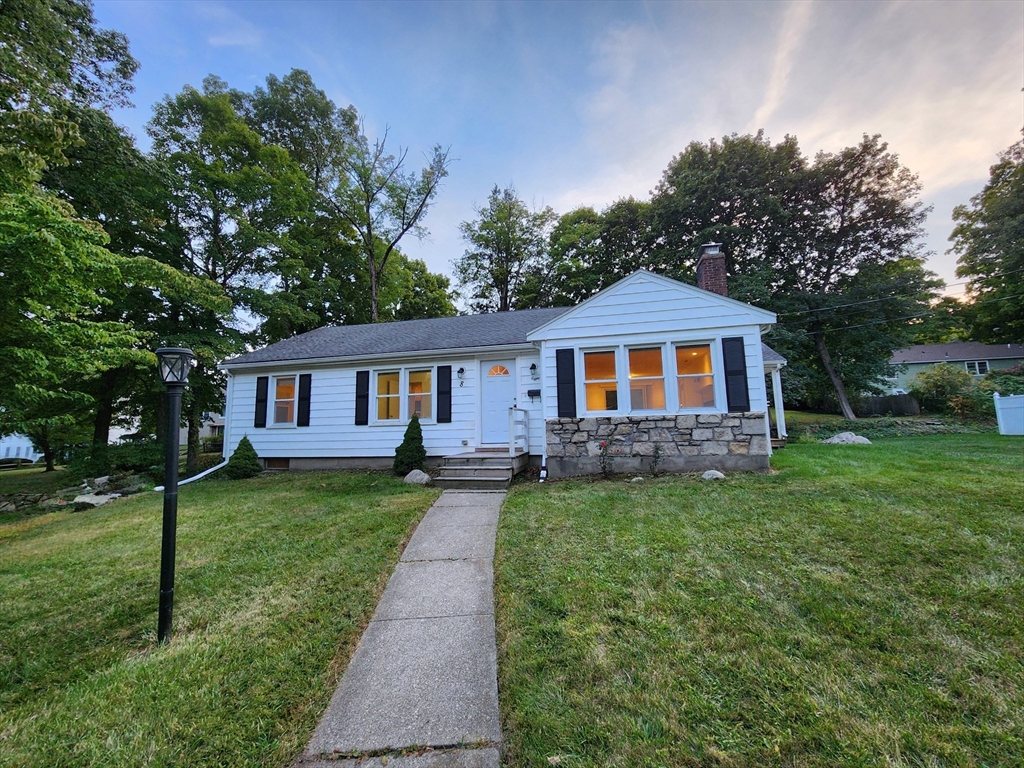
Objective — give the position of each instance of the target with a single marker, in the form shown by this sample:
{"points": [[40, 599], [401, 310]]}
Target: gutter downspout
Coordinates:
{"points": [[200, 476]]}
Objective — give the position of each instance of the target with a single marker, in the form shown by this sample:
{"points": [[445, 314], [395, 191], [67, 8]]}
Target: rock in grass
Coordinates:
{"points": [[712, 474], [417, 477], [847, 438], [90, 500], [637, 479]]}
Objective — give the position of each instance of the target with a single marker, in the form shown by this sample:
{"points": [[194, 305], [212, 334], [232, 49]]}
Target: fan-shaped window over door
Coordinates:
{"points": [[498, 370]]}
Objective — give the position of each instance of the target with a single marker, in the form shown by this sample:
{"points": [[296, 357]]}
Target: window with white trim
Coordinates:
{"points": [[646, 379], [695, 377], [285, 391], [421, 393], [600, 381], [389, 397], [977, 367]]}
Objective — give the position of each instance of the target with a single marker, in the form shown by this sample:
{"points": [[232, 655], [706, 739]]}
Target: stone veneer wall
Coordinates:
{"points": [[690, 443]]}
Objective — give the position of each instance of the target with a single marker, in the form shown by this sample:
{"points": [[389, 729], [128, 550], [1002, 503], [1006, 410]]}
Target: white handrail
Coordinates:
{"points": [[200, 476], [513, 422]]}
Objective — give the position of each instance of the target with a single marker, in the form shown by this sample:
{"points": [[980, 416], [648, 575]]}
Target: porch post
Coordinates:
{"points": [[780, 411]]}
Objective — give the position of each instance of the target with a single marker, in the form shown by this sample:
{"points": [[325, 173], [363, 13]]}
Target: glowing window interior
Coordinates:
{"points": [[646, 380], [284, 400], [696, 382], [388, 396], [420, 394], [599, 378]]}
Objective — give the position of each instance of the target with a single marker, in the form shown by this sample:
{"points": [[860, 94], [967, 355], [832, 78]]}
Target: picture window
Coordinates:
{"points": [[694, 376], [646, 379], [600, 381]]}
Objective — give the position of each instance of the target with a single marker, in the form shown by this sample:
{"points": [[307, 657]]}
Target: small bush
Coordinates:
{"points": [[213, 444], [141, 455], [243, 462], [936, 387], [410, 454]]}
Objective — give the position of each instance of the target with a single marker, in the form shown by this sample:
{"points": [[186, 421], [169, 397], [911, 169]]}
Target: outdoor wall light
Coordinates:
{"points": [[174, 364], [461, 373], [533, 372]]}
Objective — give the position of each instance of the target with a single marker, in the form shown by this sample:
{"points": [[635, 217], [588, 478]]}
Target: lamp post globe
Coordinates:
{"points": [[174, 364]]}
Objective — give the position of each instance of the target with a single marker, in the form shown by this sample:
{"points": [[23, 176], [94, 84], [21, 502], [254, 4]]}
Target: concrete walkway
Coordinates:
{"points": [[421, 690]]}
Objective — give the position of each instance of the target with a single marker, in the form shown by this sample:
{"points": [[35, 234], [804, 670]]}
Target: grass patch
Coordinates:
{"points": [[863, 606], [276, 577], [35, 480]]}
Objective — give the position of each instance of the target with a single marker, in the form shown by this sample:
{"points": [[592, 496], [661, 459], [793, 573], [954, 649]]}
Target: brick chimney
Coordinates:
{"points": [[711, 269]]}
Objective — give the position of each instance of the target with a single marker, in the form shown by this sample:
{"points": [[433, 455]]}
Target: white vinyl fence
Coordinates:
{"points": [[1010, 414]]}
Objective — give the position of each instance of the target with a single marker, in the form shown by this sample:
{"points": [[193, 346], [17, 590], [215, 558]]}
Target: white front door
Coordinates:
{"points": [[498, 393]]}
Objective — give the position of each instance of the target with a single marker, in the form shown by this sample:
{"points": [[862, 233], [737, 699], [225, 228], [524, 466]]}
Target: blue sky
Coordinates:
{"points": [[586, 102]]}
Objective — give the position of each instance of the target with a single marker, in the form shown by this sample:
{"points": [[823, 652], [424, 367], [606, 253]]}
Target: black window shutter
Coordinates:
{"points": [[260, 420], [362, 397], [565, 380], [305, 384], [444, 394], [736, 390]]}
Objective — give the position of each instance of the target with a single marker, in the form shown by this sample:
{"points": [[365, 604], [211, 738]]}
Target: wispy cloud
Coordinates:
{"points": [[794, 29], [227, 28]]}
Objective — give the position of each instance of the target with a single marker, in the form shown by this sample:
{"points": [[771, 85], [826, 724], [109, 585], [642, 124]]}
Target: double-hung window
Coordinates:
{"points": [[284, 400], [404, 393], [694, 376], [389, 396], [420, 394], [977, 367], [646, 380], [600, 381]]}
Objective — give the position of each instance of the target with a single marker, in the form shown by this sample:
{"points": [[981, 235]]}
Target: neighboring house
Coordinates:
{"points": [[976, 358], [649, 365], [17, 447]]}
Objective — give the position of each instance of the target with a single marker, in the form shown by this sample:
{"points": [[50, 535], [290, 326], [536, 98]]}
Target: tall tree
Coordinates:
{"points": [[382, 202], [236, 199], [57, 272], [507, 242], [833, 247], [989, 242]]}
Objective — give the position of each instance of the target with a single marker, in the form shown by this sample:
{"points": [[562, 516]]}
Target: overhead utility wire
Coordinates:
{"points": [[913, 317], [884, 298]]}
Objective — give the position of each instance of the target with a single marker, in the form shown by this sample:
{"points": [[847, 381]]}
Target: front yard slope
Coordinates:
{"points": [[276, 576], [863, 606]]}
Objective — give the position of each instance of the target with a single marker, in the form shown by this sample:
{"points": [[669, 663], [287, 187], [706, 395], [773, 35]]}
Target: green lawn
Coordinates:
{"points": [[862, 606], [276, 578], [35, 480]]}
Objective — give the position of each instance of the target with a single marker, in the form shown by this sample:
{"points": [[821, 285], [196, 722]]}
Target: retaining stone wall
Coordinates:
{"points": [[688, 443]]}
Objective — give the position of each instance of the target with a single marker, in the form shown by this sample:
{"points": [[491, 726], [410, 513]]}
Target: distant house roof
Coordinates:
{"points": [[442, 334], [956, 352]]}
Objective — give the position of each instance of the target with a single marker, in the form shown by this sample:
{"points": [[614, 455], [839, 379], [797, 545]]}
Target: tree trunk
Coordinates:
{"points": [[161, 418], [373, 293], [837, 383], [192, 456], [41, 439], [104, 410]]}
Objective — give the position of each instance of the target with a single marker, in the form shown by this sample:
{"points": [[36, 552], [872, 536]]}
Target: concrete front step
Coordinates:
{"points": [[485, 471], [478, 461], [472, 483]]}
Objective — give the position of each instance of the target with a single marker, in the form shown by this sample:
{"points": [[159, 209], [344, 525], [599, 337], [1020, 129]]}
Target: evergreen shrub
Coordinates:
{"points": [[243, 462], [411, 454]]}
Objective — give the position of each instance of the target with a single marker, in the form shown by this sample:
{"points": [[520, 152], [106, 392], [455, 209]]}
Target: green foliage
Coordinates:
{"points": [[1005, 382], [989, 241], [507, 242], [410, 453], [243, 462], [832, 246], [937, 386], [142, 455]]}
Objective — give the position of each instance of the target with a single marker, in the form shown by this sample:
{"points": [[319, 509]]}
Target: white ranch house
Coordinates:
{"points": [[649, 367]]}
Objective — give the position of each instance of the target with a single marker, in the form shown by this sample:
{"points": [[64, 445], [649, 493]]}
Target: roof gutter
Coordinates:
{"points": [[419, 354]]}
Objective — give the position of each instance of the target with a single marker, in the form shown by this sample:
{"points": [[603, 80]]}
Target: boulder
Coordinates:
{"points": [[8, 506], [712, 474], [100, 483], [637, 480], [847, 438], [417, 477], [90, 500]]}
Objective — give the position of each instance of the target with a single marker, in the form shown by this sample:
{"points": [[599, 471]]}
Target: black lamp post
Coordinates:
{"points": [[174, 368]]}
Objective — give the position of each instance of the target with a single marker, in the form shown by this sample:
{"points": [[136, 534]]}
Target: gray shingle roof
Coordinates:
{"points": [[957, 351], [442, 333]]}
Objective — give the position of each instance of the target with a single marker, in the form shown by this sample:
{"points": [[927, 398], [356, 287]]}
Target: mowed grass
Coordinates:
{"points": [[864, 606], [276, 577], [35, 480]]}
